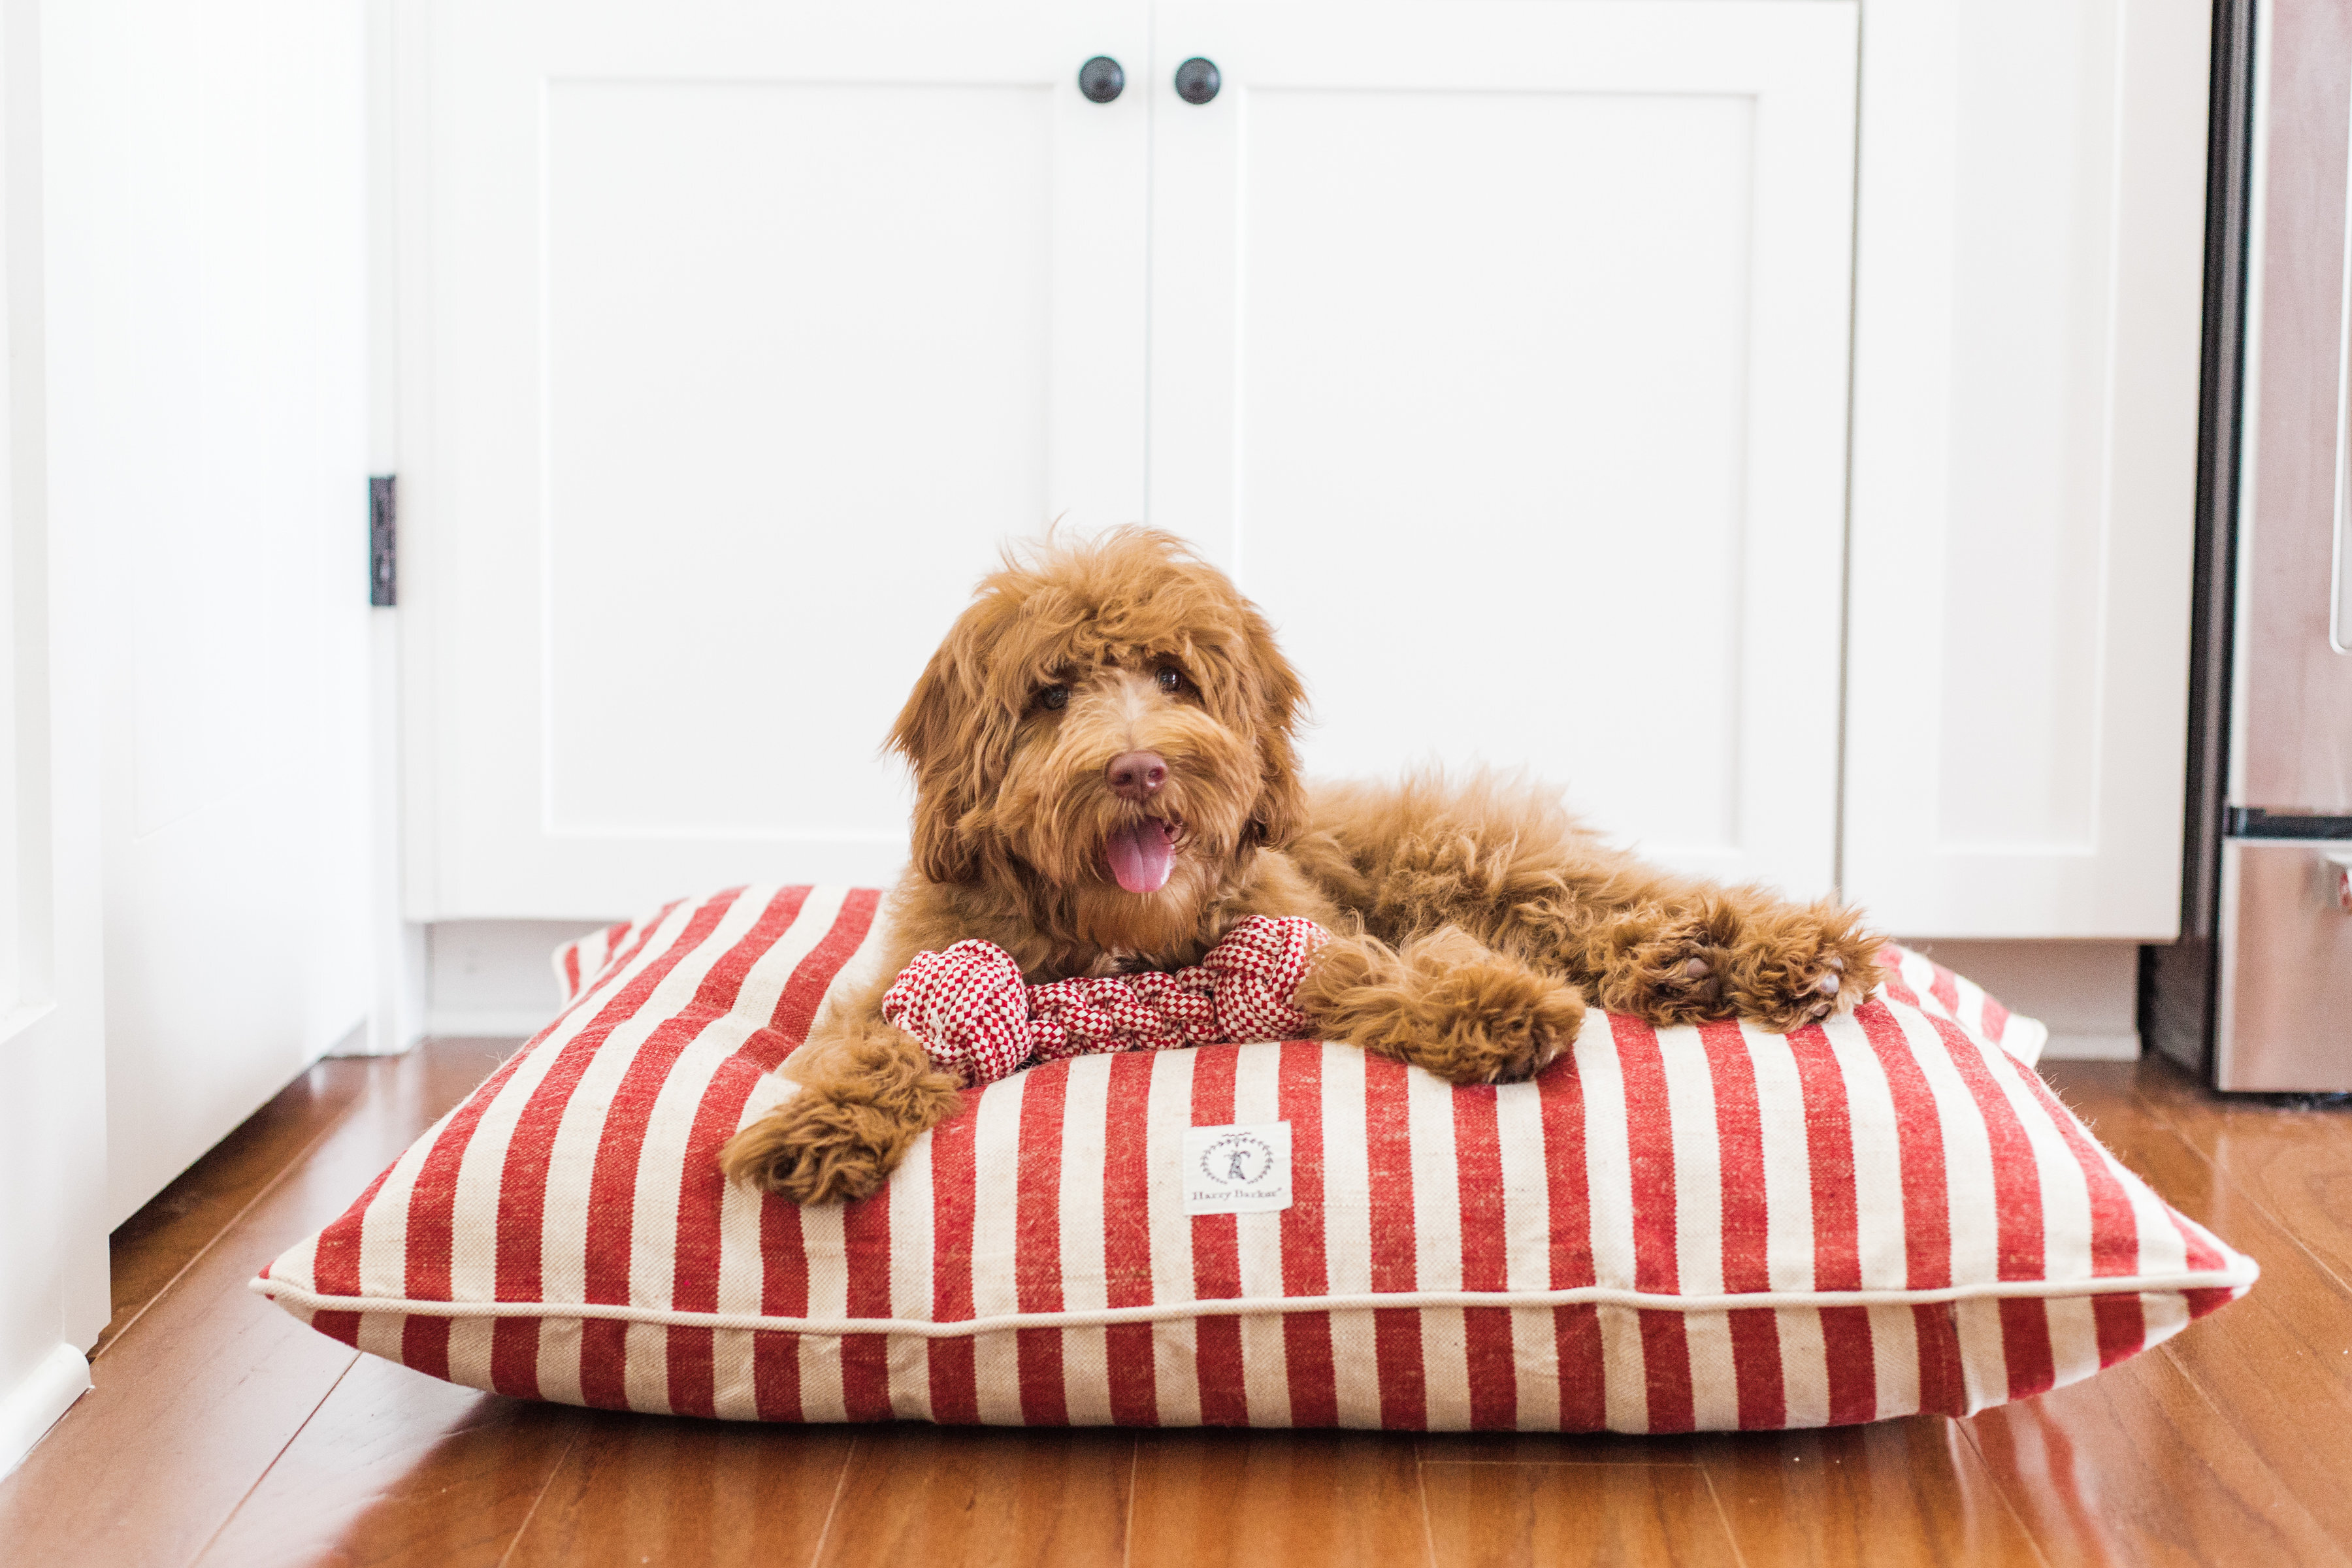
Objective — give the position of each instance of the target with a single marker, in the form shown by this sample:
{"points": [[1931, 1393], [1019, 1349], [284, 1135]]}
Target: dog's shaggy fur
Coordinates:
{"points": [[1471, 920]]}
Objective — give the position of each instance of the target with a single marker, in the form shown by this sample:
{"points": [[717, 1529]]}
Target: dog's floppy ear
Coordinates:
{"points": [[944, 733], [1279, 812]]}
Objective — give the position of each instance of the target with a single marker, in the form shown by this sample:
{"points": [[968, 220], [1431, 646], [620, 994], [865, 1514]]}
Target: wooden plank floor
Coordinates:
{"points": [[220, 1431]]}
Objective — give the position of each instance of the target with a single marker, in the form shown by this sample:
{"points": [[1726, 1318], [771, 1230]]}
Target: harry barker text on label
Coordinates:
{"points": [[1242, 1169]]}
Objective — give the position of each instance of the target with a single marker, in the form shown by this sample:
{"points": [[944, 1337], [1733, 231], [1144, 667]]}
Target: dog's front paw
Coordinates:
{"points": [[1445, 1004], [1497, 1022], [817, 1149], [865, 1098]]}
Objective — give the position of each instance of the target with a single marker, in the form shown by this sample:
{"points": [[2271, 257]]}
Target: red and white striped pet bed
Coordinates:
{"points": [[1682, 1228]]}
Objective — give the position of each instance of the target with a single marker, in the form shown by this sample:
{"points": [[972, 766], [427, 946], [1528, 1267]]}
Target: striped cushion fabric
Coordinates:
{"points": [[1682, 1228]]}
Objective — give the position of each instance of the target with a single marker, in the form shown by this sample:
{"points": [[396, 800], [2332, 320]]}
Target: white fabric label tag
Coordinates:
{"points": [[1237, 1170]]}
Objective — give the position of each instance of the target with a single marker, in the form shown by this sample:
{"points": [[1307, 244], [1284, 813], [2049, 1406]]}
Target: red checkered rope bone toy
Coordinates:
{"points": [[978, 1020]]}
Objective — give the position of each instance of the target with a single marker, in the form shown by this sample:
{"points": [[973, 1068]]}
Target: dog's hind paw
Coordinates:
{"points": [[1779, 966]]}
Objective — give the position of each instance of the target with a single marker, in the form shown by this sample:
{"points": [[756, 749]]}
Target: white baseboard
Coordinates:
{"points": [[28, 1410], [2092, 1047], [489, 1023]]}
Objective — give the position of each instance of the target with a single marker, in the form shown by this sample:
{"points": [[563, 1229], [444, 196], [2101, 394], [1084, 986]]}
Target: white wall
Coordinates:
{"points": [[495, 977], [2086, 992], [207, 338], [52, 1267]]}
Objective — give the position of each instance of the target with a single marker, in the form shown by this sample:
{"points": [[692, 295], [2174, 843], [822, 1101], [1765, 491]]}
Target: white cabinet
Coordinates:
{"points": [[734, 340], [1499, 348], [2030, 260]]}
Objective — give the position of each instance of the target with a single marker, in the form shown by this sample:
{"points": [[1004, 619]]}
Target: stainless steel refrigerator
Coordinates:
{"points": [[2258, 992]]}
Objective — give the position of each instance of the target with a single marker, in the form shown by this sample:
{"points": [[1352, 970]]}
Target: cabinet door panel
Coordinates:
{"points": [[1500, 350], [2028, 309], [750, 332]]}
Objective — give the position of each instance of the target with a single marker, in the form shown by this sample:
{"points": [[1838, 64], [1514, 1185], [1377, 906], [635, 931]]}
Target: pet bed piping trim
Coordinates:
{"points": [[1249, 1306]]}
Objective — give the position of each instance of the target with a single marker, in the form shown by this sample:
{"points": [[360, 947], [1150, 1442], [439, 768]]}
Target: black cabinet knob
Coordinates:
{"points": [[1101, 79], [1197, 80]]}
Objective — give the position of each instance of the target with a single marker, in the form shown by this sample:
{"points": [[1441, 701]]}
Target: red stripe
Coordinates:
{"points": [[1740, 1136], [1666, 1372], [783, 1293], [1650, 1144], [343, 1326], [603, 1363], [427, 1260], [335, 1259], [1946, 988], [2017, 1187], [1996, 1020], [1943, 1391], [1217, 1257], [514, 1357], [866, 1358], [2025, 1346], [1127, 1238], [571, 972], [702, 1188], [2122, 1327], [2018, 1220], [425, 1345], [1307, 1351], [1395, 1262], [2200, 1303], [620, 1147], [1755, 1369], [1919, 1148], [1583, 1381], [1853, 1360], [522, 1182], [1837, 1234], [1037, 1243], [797, 1007], [955, 1383], [1828, 1156], [1576, 1331], [691, 1358], [1485, 1262], [2115, 1229], [1746, 1234]]}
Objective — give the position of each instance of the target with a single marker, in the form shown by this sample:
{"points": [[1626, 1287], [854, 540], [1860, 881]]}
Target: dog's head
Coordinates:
{"points": [[1110, 717]]}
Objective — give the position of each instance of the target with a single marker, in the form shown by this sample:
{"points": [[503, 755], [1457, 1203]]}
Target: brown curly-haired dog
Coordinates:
{"points": [[1106, 781]]}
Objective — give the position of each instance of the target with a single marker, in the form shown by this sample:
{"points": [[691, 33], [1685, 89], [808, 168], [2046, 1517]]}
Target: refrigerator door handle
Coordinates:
{"points": [[2254, 822]]}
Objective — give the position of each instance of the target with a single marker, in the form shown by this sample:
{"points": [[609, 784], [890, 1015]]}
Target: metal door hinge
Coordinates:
{"points": [[383, 540]]}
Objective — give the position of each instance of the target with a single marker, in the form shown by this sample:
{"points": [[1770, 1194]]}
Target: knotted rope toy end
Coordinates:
{"points": [[979, 1021]]}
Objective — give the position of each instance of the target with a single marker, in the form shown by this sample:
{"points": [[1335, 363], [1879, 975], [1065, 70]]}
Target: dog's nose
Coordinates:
{"points": [[1137, 776]]}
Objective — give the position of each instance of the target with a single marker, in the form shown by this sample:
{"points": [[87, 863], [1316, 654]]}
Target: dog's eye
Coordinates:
{"points": [[1053, 698], [1170, 677]]}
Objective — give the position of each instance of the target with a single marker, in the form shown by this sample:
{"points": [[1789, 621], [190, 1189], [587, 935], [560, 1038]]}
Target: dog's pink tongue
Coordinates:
{"points": [[1140, 857]]}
